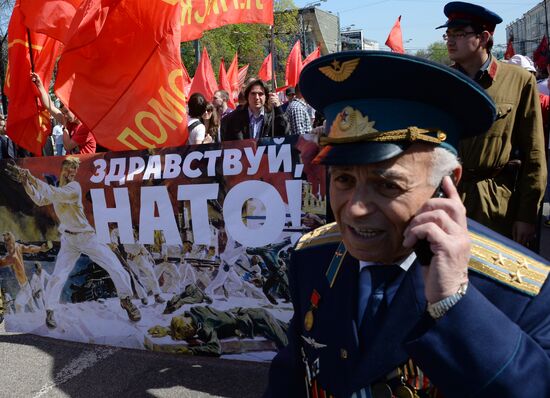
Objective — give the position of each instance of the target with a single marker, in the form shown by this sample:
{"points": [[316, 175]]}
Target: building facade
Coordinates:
{"points": [[528, 31], [354, 39]]}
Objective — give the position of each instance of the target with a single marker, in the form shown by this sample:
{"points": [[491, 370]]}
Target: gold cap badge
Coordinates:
{"points": [[339, 71]]}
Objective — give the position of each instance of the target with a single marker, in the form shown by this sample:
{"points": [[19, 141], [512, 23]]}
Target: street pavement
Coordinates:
{"points": [[34, 366]]}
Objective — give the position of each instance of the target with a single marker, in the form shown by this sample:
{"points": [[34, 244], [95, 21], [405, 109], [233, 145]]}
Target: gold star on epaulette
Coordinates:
{"points": [[516, 276], [523, 264], [339, 72], [499, 260]]}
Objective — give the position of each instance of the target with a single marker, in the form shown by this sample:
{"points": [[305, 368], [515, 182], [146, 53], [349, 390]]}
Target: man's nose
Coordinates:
{"points": [[361, 204]]}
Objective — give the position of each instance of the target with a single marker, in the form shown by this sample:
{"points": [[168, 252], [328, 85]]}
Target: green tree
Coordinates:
{"points": [[436, 52]]}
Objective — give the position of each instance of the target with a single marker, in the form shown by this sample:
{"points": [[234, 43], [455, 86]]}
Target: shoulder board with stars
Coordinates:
{"points": [[507, 265], [329, 233]]}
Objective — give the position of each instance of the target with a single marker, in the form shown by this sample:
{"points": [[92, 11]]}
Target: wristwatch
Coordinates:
{"points": [[440, 308]]}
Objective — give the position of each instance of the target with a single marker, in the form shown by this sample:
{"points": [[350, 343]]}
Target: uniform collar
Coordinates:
{"points": [[404, 264], [487, 71]]}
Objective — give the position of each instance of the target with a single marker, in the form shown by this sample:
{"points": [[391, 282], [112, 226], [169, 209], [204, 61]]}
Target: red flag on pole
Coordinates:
{"points": [[198, 15], [50, 17], [540, 56], [395, 38], [293, 65], [224, 83], [314, 55], [509, 49], [123, 56], [265, 72], [233, 77], [28, 122], [242, 75], [204, 81]]}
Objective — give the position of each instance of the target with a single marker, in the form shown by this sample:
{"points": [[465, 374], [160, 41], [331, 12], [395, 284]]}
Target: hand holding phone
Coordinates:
{"points": [[422, 247]]}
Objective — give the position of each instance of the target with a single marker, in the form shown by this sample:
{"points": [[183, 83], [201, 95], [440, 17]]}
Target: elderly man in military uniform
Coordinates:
{"points": [[404, 296], [204, 327], [504, 170]]}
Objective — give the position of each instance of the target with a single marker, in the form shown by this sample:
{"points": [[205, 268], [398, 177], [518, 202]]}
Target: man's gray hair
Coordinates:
{"points": [[443, 164]]}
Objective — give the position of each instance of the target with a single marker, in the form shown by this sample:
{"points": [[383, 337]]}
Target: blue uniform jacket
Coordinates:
{"points": [[495, 342]]}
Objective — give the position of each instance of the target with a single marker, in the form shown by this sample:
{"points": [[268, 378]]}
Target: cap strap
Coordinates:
{"points": [[409, 134]]}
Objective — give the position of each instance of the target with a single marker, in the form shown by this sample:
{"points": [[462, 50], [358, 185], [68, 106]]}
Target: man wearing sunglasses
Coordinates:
{"points": [[504, 169]]}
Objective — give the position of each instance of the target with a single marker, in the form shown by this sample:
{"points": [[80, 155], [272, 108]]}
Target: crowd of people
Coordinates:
{"points": [[414, 290]]}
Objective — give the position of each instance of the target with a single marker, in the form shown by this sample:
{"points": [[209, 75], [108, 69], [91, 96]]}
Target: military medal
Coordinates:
{"points": [[309, 318]]}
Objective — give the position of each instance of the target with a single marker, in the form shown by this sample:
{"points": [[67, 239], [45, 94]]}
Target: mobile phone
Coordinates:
{"points": [[422, 248]]}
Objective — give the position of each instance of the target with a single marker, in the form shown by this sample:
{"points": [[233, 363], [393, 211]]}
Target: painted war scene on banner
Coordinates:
{"points": [[352, 196]]}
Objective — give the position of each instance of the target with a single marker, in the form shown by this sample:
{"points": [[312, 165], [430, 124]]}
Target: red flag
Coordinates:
{"points": [[509, 50], [204, 81], [224, 83], [293, 65], [50, 17], [121, 73], [199, 15], [540, 55], [395, 38], [266, 69], [314, 55], [233, 77], [28, 122], [242, 75]]}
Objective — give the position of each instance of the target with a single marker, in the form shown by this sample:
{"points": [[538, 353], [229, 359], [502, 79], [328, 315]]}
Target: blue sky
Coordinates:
{"points": [[418, 17]]}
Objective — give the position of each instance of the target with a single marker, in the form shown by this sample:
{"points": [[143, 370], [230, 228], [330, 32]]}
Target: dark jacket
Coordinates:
{"points": [[236, 125], [495, 342]]}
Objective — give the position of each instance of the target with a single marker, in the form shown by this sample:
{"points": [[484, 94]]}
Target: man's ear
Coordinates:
{"points": [[484, 37], [456, 175]]}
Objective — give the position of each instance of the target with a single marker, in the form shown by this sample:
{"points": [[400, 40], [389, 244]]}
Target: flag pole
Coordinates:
{"points": [[29, 42], [273, 82]]}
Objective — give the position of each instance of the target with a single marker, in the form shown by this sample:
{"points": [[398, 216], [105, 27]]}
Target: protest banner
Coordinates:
{"points": [[197, 237]]}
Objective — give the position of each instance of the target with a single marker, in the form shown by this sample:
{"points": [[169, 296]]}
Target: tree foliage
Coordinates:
{"points": [[250, 41], [436, 52]]}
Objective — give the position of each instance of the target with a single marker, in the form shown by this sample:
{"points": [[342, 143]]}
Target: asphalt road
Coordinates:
{"points": [[33, 366]]}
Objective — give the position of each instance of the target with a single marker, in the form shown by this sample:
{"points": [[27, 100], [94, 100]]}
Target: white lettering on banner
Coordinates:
{"points": [[275, 213], [232, 165], [156, 200], [254, 159], [157, 212], [117, 171], [294, 197], [212, 156], [172, 165], [198, 195], [154, 168], [137, 166], [119, 214], [99, 174], [186, 167], [231, 162], [275, 158]]}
